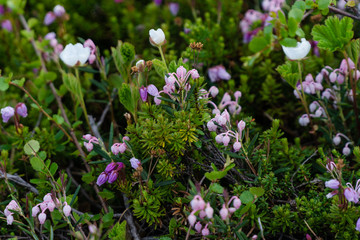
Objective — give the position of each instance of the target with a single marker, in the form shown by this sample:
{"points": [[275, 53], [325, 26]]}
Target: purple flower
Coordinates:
{"points": [[158, 2], [2, 10], [103, 177], [224, 212], [143, 93], [333, 184], [59, 10], [21, 109], [135, 163], [6, 24], [50, 36], [90, 44], [198, 227], [115, 149], [89, 146], [113, 176], [110, 167], [218, 73], [205, 231], [152, 90], [9, 219], [7, 113], [49, 18], [358, 225], [174, 8]]}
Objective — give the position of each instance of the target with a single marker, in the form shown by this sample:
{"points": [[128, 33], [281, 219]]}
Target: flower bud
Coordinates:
{"points": [[192, 219], [35, 210], [51, 205], [152, 90], [7, 113], [88, 146], [103, 177], [6, 24], [21, 109], [226, 140], [198, 227], [333, 184], [336, 140], [135, 163], [157, 37], [213, 91], [111, 166], [205, 231], [224, 212], [209, 211], [299, 52], [241, 126], [333, 77], [197, 203], [237, 203], [211, 126], [194, 74], [113, 176], [357, 228], [174, 8], [237, 146], [42, 218], [9, 219], [67, 210], [219, 138], [92, 228], [143, 93], [49, 18], [59, 10], [346, 151]]}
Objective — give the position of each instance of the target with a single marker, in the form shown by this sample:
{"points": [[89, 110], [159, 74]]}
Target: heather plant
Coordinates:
{"points": [[179, 119]]}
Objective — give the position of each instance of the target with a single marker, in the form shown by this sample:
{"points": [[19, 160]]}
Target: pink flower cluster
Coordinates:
{"points": [[9, 215], [272, 5], [174, 83], [198, 205], [91, 139], [337, 140], [8, 112], [222, 122], [233, 106], [111, 173], [90, 44], [252, 23], [51, 36], [117, 148], [50, 204], [57, 12], [337, 78]]}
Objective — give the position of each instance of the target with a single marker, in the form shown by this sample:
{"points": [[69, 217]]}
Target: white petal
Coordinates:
{"points": [[82, 53], [69, 56], [299, 52]]}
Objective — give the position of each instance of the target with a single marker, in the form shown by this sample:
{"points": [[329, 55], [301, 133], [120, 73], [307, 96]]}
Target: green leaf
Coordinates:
{"points": [[290, 72], [257, 44], [37, 164], [257, 191], [353, 49], [288, 42], [58, 119], [118, 232], [335, 34], [123, 55], [160, 67], [126, 99], [323, 4], [53, 168], [88, 177], [4, 84], [282, 17], [246, 197], [73, 85], [297, 14], [31, 147], [216, 188], [19, 82], [300, 5], [292, 26], [107, 194]]}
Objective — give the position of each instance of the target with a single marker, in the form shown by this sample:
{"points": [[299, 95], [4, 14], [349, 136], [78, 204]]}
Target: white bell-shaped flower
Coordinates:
{"points": [[75, 54], [299, 52]]}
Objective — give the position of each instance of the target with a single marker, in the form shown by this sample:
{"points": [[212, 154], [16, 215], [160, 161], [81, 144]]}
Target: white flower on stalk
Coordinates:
{"points": [[299, 52], [157, 38], [75, 54]]}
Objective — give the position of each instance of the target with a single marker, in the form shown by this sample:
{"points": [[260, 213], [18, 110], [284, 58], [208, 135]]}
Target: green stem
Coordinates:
{"points": [[82, 102], [163, 58]]}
